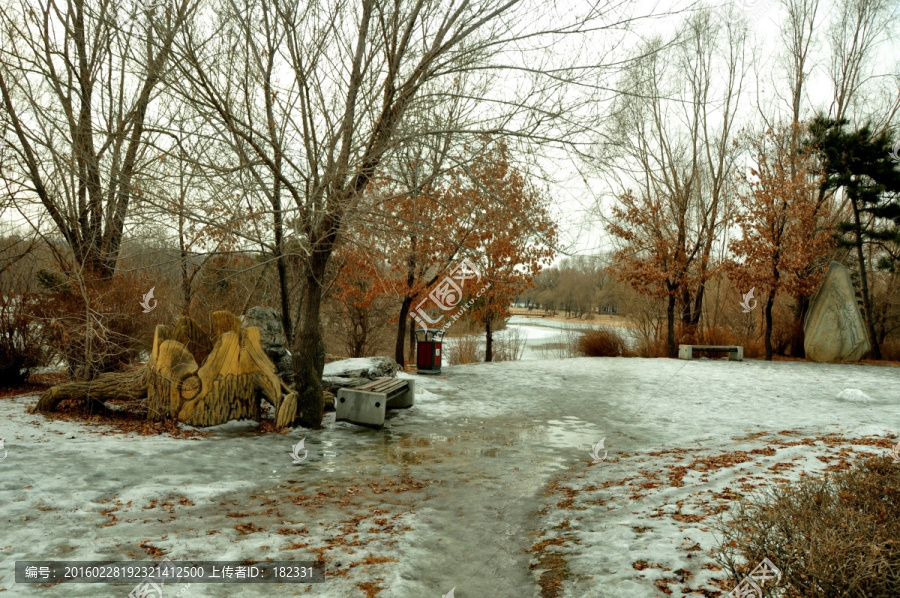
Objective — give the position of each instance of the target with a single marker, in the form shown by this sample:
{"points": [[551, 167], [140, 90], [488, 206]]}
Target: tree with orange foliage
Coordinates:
{"points": [[658, 257], [430, 220], [359, 284], [778, 218], [514, 239]]}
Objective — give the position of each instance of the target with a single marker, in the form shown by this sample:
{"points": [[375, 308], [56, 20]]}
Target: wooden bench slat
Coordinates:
{"points": [[390, 388], [383, 385]]}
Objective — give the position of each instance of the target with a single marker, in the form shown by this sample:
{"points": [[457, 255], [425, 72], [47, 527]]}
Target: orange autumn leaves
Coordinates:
{"points": [[781, 237], [777, 220], [421, 227]]}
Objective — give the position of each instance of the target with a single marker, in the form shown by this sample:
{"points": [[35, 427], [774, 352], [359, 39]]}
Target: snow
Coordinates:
{"points": [[492, 459], [854, 394], [365, 364]]}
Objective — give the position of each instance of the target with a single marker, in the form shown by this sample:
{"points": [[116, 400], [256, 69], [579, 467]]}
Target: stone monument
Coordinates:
{"points": [[834, 327]]}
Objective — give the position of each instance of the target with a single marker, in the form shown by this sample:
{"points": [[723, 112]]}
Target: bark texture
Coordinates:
{"points": [[114, 385]]}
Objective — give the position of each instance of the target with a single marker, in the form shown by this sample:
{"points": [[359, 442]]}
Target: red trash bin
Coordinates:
{"points": [[428, 351]]}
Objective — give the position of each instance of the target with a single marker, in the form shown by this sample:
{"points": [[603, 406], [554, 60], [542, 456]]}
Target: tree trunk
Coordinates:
{"points": [[281, 265], [770, 301], [698, 305], [182, 247], [670, 327], [864, 279], [277, 217], [308, 356], [686, 308], [401, 332], [114, 385], [488, 341]]}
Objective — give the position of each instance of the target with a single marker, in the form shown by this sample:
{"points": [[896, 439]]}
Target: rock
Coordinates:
{"points": [[363, 367], [350, 373], [834, 327], [271, 336], [269, 323]]}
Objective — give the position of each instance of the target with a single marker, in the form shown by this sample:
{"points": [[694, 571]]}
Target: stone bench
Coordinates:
{"points": [[735, 353], [366, 405]]}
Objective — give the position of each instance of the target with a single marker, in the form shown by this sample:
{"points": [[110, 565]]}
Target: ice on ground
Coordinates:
{"points": [[485, 476]]}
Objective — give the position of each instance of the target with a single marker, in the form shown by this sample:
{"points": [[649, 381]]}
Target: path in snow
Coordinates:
{"points": [[452, 493]]}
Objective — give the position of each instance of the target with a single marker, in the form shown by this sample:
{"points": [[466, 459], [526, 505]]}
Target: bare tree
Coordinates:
{"points": [[675, 133], [797, 37], [77, 79], [860, 26], [314, 96]]}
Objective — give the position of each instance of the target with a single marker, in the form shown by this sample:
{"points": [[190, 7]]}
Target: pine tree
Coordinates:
{"points": [[860, 162]]}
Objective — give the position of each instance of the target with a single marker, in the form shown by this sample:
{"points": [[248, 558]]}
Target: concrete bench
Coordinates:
{"points": [[366, 405], [735, 353]]}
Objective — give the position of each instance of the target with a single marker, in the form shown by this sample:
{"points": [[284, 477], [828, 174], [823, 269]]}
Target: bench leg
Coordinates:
{"points": [[737, 356], [685, 352], [405, 399], [360, 407]]}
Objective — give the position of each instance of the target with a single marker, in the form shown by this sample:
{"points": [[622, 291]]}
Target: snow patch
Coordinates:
{"points": [[854, 394]]}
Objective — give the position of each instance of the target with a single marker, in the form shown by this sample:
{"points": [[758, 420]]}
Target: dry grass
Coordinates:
{"points": [[509, 347], [651, 347], [463, 349], [830, 536], [890, 350], [601, 342]]}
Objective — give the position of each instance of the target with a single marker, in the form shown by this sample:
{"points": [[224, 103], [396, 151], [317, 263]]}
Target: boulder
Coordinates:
{"points": [[834, 327], [271, 336], [350, 373], [363, 367]]}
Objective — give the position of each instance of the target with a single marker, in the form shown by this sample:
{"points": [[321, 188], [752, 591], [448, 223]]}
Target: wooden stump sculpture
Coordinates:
{"points": [[235, 376]]}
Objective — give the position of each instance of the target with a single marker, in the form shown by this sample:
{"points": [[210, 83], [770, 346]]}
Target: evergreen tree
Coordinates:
{"points": [[861, 163]]}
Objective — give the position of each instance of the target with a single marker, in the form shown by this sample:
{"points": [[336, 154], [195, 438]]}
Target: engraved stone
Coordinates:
{"points": [[834, 327]]}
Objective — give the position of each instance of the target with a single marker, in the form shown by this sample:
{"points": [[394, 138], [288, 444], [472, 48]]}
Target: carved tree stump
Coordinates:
{"points": [[235, 375], [189, 333]]}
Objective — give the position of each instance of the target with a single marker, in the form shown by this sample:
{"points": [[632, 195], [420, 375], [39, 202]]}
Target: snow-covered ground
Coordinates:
{"points": [[475, 488]]}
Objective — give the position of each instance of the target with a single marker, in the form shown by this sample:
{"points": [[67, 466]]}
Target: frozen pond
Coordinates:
{"points": [[457, 492], [543, 338]]}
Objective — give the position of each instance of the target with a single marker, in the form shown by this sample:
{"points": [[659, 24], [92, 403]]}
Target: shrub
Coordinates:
{"points": [[717, 335], [831, 536], [97, 325], [890, 350], [23, 343], [601, 342], [463, 349], [508, 347]]}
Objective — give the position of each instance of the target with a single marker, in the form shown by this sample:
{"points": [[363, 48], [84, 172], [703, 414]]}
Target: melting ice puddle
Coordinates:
{"points": [[571, 432]]}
